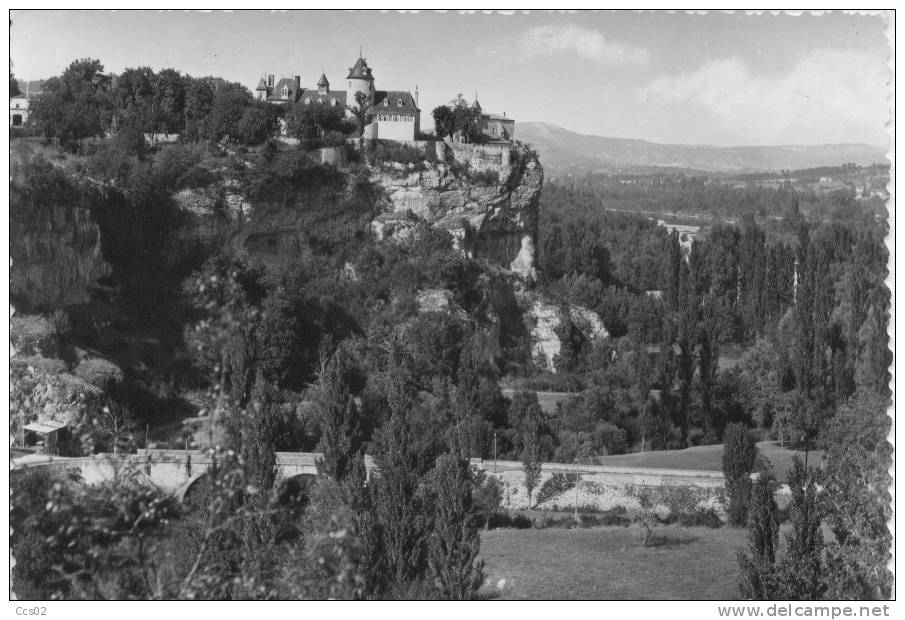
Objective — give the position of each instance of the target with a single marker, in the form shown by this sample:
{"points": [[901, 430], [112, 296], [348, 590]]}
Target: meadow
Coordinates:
{"points": [[609, 563]]}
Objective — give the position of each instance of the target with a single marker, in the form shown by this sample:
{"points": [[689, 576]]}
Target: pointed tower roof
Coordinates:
{"points": [[360, 71], [261, 85], [323, 81]]}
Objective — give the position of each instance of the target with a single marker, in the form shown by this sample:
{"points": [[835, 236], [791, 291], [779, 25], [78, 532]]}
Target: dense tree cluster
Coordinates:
{"points": [[84, 102], [458, 117]]}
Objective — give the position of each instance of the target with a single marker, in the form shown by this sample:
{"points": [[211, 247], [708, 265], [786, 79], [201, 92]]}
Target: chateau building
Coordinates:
{"points": [[18, 111], [18, 105], [494, 126], [392, 114]]}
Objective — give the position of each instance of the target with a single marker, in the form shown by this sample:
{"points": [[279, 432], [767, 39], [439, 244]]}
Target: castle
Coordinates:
{"points": [[393, 114]]}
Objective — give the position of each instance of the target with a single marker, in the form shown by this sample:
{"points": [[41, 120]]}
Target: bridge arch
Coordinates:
{"points": [[296, 490], [193, 486]]}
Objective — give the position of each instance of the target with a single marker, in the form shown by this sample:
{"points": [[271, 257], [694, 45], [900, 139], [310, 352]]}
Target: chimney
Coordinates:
{"points": [[270, 80], [416, 95], [298, 82]]}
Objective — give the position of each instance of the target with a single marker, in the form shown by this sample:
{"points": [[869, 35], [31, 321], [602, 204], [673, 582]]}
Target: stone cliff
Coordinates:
{"points": [[55, 252], [485, 195]]}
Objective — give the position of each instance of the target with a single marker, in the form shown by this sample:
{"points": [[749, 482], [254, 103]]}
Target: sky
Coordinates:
{"points": [[722, 79]]}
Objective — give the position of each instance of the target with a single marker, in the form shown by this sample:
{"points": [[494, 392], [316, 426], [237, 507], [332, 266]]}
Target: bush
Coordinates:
{"points": [[616, 516], [506, 520], [195, 177], [706, 517], [396, 152]]}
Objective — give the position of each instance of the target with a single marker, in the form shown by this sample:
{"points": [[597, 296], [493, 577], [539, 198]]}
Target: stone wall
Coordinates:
{"points": [[480, 157], [602, 488]]}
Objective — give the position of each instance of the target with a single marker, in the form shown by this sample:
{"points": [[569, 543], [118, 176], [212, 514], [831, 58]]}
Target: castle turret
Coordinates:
{"points": [[360, 80], [262, 90], [323, 84]]}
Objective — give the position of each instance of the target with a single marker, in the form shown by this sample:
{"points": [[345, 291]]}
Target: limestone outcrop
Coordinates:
{"points": [[55, 252], [545, 318], [485, 195]]}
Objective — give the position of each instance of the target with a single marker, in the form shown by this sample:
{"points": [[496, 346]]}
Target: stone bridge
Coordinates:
{"points": [[176, 471], [172, 471]]}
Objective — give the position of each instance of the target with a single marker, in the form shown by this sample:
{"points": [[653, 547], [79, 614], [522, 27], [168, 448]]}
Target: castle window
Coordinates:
{"points": [[386, 102], [285, 92], [399, 103]]}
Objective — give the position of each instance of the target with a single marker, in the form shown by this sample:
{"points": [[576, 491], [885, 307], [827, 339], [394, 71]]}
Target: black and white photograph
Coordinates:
{"points": [[358, 305]]}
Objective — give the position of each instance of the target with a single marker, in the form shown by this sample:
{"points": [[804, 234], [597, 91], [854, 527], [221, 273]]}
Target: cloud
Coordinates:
{"points": [[585, 43], [827, 96]]}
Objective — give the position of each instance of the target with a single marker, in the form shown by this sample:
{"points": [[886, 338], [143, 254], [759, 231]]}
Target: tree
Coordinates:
{"points": [[401, 507], [338, 417], [169, 101], [75, 105], [487, 498], [307, 122], [707, 367], [454, 543], [116, 424], [862, 420], [758, 578], [360, 110], [527, 419], [444, 121], [650, 422], [227, 111], [858, 509], [739, 458], [199, 98], [801, 569], [13, 85], [254, 126]]}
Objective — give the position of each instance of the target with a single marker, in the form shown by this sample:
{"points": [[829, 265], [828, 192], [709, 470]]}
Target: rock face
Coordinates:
{"points": [[55, 252], [485, 195], [219, 215], [545, 318]]}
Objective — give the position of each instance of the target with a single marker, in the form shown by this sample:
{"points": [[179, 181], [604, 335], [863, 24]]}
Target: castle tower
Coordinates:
{"points": [[323, 84], [262, 89], [360, 80]]}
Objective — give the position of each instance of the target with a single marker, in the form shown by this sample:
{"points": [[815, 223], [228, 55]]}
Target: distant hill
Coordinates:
{"points": [[564, 151]]}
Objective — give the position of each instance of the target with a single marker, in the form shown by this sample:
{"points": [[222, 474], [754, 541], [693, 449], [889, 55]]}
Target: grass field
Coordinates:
{"points": [[707, 458], [608, 563]]}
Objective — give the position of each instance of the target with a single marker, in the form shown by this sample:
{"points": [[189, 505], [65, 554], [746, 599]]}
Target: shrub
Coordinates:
{"points": [[396, 152], [195, 177], [706, 517], [554, 485], [333, 138], [506, 520], [616, 516]]}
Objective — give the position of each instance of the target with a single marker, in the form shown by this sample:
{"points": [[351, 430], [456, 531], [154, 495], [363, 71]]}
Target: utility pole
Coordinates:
{"points": [[494, 451], [575, 497]]}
